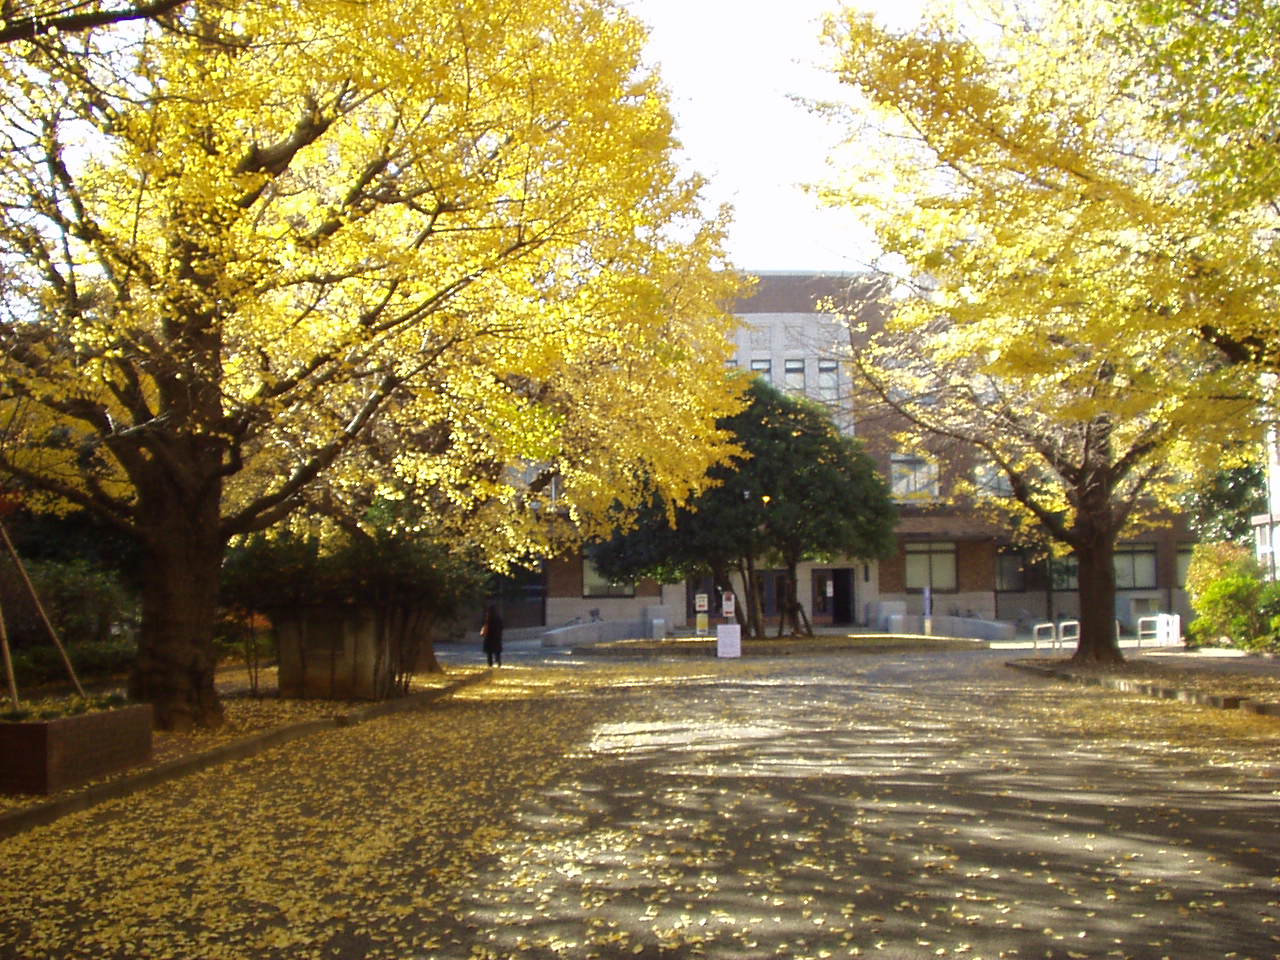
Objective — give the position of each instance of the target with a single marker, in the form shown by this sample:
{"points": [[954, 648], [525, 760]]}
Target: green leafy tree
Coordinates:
{"points": [[801, 491], [1220, 507]]}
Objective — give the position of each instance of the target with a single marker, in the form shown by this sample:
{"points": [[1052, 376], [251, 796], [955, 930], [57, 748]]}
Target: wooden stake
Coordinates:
{"points": [[8, 663], [44, 617]]}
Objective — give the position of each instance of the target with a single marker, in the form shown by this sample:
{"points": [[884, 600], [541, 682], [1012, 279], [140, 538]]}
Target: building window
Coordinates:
{"points": [[763, 369], [731, 362], [912, 477], [1135, 566], [931, 564], [1011, 572], [595, 584], [793, 371], [1064, 573], [1184, 562], [828, 381], [991, 481]]}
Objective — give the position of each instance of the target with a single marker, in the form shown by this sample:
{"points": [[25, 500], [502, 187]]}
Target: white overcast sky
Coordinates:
{"points": [[733, 67]]}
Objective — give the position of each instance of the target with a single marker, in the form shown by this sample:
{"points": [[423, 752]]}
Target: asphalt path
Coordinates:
{"points": [[875, 805]]}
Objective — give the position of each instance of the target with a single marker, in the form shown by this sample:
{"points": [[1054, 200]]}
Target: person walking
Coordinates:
{"points": [[491, 631]]}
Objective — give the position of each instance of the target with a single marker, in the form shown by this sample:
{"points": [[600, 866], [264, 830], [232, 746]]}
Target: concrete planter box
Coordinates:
{"points": [[45, 756]]}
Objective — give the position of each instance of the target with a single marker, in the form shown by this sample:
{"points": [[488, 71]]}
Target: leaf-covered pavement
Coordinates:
{"points": [[883, 806]]}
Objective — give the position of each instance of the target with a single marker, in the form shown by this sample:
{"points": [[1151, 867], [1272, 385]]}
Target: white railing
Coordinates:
{"points": [[1056, 635], [1163, 629], [1048, 631]]}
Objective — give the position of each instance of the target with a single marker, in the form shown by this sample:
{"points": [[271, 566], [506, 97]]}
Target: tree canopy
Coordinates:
{"points": [[244, 250], [1032, 191]]}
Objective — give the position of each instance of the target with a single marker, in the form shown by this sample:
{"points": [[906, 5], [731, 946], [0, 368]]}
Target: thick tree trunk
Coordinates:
{"points": [[176, 656], [1097, 579]]}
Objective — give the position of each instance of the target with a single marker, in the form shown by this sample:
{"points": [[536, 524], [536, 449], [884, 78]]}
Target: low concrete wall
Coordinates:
{"points": [[594, 631], [657, 621], [968, 627]]}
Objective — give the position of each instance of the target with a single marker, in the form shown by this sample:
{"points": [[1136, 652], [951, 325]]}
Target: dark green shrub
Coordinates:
{"points": [[93, 660], [415, 583], [85, 603]]}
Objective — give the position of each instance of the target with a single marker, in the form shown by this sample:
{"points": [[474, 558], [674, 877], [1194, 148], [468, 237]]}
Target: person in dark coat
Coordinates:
{"points": [[491, 631]]}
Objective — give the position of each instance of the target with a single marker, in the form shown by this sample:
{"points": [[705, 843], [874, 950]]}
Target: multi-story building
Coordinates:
{"points": [[1266, 526], [949, 560]]}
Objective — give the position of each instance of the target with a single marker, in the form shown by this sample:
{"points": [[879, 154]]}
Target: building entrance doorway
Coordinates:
{"points": [[833, 597]]}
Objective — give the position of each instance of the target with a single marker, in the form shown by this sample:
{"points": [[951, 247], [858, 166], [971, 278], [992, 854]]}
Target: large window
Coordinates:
{"points": [[595, 584], [1135, 566], [1064, 573], [794, 375], [1011, 572], [828, 381], [931, 564], [912, 477], [763, 368]]}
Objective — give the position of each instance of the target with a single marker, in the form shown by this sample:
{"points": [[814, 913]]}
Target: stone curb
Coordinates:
{"points": [[750, 649], [1153, 690], [19, 821]]}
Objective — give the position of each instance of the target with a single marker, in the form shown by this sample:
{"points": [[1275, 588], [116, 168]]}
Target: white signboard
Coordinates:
{"points": [[728, 640], [700, 604], [726, 605]]}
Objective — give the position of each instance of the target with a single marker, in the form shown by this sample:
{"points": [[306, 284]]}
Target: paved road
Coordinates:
{"points": [[872, 805]]}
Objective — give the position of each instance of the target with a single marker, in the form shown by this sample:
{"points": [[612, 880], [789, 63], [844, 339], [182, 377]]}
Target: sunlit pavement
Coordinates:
{"points": [[907, 806]]}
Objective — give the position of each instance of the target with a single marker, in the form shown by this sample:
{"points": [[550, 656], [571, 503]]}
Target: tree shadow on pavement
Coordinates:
{"points": [[882, 815]]}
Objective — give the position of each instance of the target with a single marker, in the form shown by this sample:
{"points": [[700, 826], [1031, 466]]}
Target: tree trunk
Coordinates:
{"points": [[182, 563], [792, 614], [1097, 578], [751, 598]]}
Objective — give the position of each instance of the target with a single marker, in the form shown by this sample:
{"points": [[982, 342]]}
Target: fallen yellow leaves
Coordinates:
{"points": [[672, 811]]}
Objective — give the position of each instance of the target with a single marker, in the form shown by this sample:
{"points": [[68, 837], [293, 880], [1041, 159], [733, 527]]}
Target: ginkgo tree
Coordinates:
{"points": [[1076, 460], [435, 248], [1068, 321], [1025, 156]]}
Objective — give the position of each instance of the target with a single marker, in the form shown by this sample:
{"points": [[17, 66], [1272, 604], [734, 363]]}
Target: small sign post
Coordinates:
{"points": [[728, 640]]}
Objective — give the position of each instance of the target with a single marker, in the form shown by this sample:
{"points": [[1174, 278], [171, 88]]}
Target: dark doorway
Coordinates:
{"points": [[842, 597]]}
